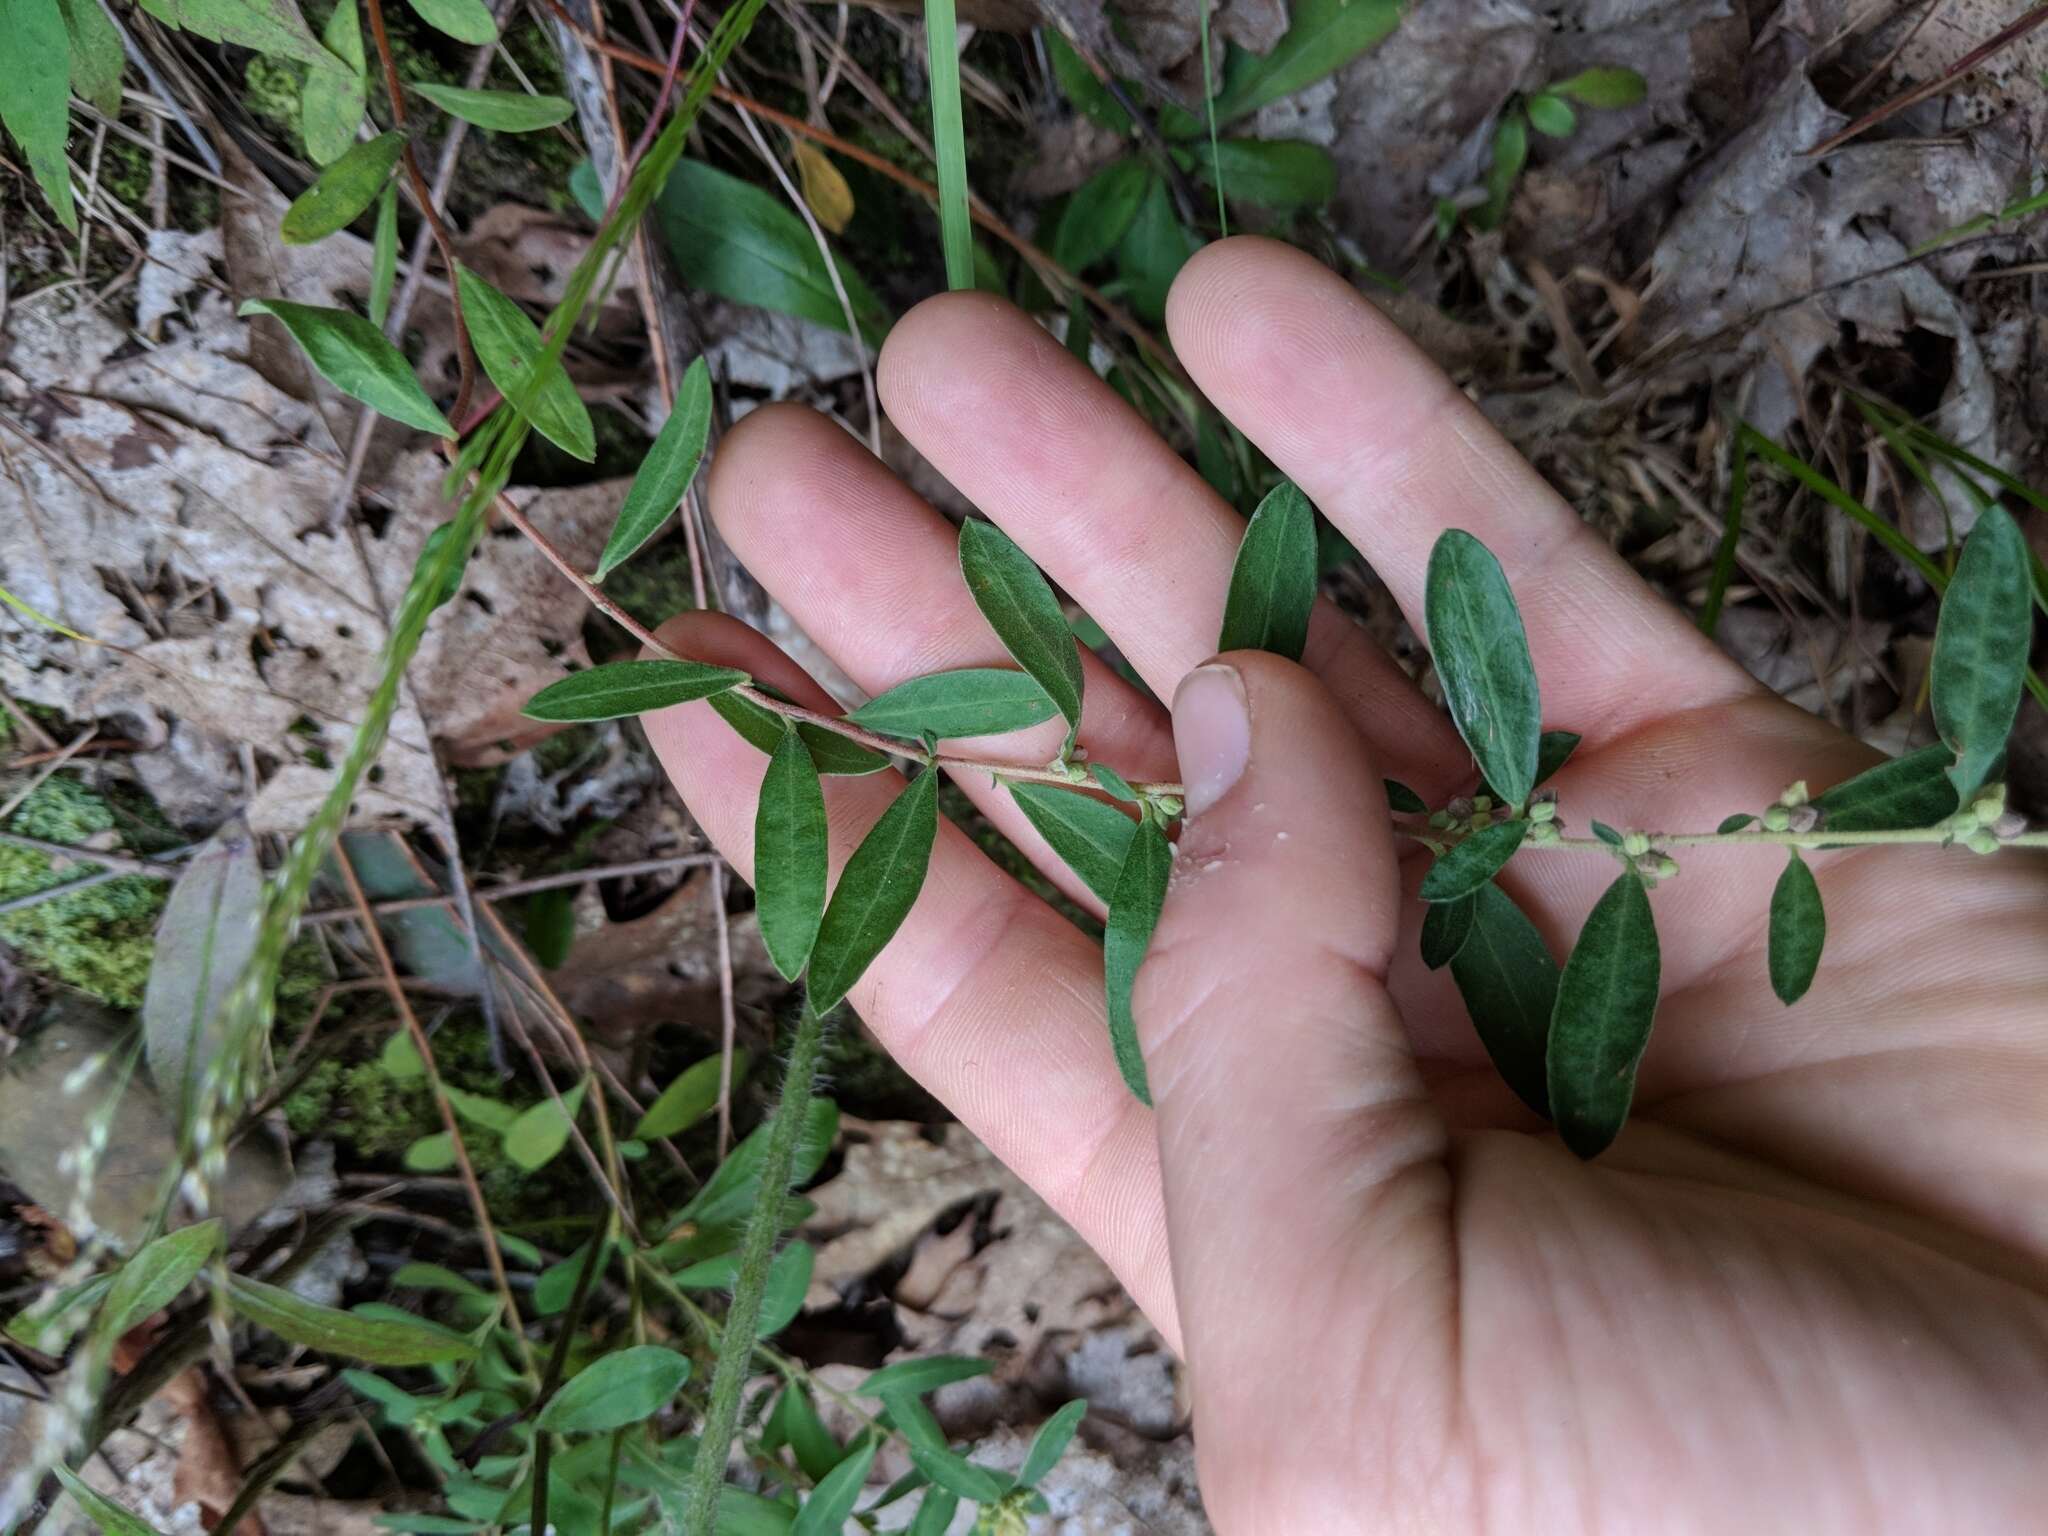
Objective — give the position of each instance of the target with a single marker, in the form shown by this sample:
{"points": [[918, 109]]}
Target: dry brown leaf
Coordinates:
{"points": [[825, 189]]}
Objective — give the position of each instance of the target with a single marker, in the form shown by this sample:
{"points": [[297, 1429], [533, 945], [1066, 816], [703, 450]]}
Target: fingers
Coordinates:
{"points": [[1394, 453], [986, 996], [1031, 436], [1303, 1158]]}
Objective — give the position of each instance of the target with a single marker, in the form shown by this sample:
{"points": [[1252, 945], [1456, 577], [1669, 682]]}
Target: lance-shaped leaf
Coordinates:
{"points": [[1606, 1002], [616, 1390], [343, 191], [35, 95], [795, 1421], [274, 27], [1897, 795], [110, 1517], [762, 728], [331, 105], [1092, 838], [665, 474], [1098, 213], [1509, 983], [830, 1505], [1116, 784], [1446, 925], [371, 1341], [1553, 750], [1050, 1443], [352, 355], [975, 701], [1799, 929], [876, 891], [620, 688], [1981, 641], [499, 111], [688, 1099], [153, 1278], [467, 21], [207, 934], [1462, 869], [384, 255], [1134, 905], [914, 1378], [1019, 605], [1273, 582], [537, 1136], [1322, 36], [790, 865], [1482, 660], [509, 346]]}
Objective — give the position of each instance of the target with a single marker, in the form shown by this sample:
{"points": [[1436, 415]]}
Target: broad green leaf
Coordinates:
{"points": [[384, 256], [331, 106], [555, 1287], [97, 59], [1551, 115], [734, 1187], [352, 355], [876, 891], [110, 1517], [914, 1378], [499, 111], [833, 753], [206, 935], [371, 1341], [620, 688], [1088, 94], [1462, 869], [274, 27], [1482, 661], [935, 1513], [789, 1279], [400, 1057], [1403, 799], [343, 191], [489, 1114], [1019, 605], [1155, 248], [1098, 213], [692, 1096], [467, 21], [537, 1137], [937, 1460], [403, 1406], [153, 1278], [1603, 86], [1273, 582], [1446, 925], [790, 857], [509, 346], [35, 95], [1897, 795], [1509, 983], [1510, 154], [1281, 174], [664, 476], [1325, 36], [1981, 640], [1799, 928], [975, 701], [732, 238], [51, 1322], [1606, 1002], [616, 1390], [1092, 838], [796, 1417], [1134, 904], [830, 1505], [1116, 784], [1050, 1443]]}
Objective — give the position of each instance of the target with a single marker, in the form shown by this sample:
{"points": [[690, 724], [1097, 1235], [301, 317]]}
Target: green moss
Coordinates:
{"points": [[273, 91], [654, 585], [99, 940], [309, 1108]]}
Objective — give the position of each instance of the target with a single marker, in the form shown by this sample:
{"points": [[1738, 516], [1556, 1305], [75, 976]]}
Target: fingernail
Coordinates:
{"points": [[1212, 733]]}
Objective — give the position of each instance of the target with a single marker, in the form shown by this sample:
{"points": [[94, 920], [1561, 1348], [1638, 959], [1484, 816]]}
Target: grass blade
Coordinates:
{"points": [[949, 138]]}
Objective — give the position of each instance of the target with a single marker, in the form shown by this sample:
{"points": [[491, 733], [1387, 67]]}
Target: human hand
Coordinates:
{"points": [[1806, 1290]]}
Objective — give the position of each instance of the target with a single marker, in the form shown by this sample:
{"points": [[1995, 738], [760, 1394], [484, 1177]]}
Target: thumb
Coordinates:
{"points": [[1308, 1203]]}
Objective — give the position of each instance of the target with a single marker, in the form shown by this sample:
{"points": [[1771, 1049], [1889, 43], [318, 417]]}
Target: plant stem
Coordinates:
{"points": [[757, 1253]]}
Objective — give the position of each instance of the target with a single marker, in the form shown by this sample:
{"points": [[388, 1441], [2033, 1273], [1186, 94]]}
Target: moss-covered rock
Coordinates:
{"points": [[99, 940]]}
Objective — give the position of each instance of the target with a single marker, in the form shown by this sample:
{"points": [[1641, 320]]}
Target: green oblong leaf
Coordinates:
{"points": [[692, 1096], [509, 346], [1446, 925], [936, 1510], [274, 27], [153, 1278], [1118, 787], [1092, 838], [1981, 641], [1742, 819], [1606, 86], [467, 21], [789, 1279], [664, 476], [795, 1419], [1050, 1443], [1552, 115], [1606, 1003], [499, 111], [1799, 929], [1280, 174], [914, 1378], [735, 1186], [35, 96], [1134, 905], [206, 935], [352, 355], [620, 688], [372, 1341], [343, 191], [974, 701], [384, 255], [1323, 36], [1098, 213], [1273, 582], [1482, 659], [110, 1517], [537, 1136], [790, 861], [762, 728], [616, 1390], [876, 891], [1462, 869], [331, 105], [1897, 795], [1509, 983], [1020, 607], [830, 1505]]}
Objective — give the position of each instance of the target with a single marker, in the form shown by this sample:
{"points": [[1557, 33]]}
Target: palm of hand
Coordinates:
{"points": [[1805, 1290]]}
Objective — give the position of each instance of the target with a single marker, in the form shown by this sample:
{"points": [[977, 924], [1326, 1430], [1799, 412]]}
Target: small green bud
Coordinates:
{"points": [[1543, 833], [1170, 806], [1795, 794], [1989, 804], [1439, 819], [1981, 841], [1635, 844], [1482, 803], [1777, 819], [1541, 811], [1667, 866], [1481, 818]]}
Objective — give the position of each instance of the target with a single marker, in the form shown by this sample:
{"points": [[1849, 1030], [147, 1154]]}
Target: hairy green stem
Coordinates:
{"points": [[757, 1253]]}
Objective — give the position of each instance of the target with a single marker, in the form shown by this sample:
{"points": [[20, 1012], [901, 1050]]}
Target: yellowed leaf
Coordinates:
{"points": [[831, 199]]}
